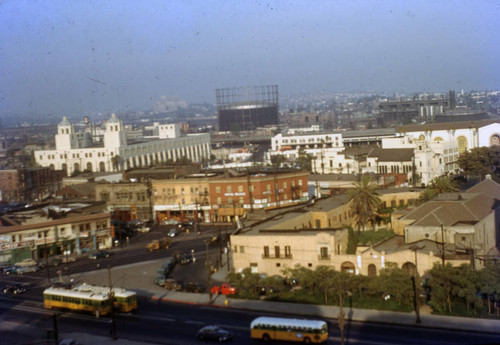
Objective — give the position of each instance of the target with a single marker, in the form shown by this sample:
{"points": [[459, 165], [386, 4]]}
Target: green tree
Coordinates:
{"points": [[489, 282], [465, 286], [438, 185], [364, 200], [441, 281], [304, 160], [395, 282], [324, 276], [276, 160], [480, 161], [115, 161]]}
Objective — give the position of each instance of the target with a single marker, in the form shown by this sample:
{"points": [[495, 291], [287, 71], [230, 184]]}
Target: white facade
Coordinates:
{"points": [[468, 134], [314, 144], [331, 161], [116, 154], [433, 159]]}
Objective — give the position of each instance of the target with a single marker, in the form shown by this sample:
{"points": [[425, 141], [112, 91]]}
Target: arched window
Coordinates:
{"points": [[348, 267], [410, 268], [495, 140], [462, 144]]}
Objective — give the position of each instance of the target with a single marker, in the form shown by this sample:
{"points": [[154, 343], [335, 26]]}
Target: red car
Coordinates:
{"points": [[224, 289]]}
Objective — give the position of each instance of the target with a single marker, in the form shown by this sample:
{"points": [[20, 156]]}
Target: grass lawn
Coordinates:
{"points": [[367, 237]]}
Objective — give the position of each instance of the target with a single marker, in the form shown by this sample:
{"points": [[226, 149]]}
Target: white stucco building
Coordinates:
{"points": [[115, 153], [468, 134], [313, 143]]}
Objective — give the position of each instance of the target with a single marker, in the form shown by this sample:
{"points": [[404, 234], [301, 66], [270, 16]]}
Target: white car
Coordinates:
{"points": [[143, 229], [172, 232]]}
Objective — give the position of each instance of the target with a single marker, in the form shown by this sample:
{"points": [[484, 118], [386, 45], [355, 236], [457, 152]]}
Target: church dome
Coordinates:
{"points": [[113, 119], [64, 122]]}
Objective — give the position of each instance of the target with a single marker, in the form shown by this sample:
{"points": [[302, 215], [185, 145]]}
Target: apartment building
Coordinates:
{"points": [[65, 229], [316, 234]]}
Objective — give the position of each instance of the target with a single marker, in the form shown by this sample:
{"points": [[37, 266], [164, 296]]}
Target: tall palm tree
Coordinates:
{"points": [[364, 200]]}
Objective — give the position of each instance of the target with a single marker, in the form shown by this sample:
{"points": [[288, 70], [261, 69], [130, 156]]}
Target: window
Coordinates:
{"points": [[242, 249], [240, 189], [317, 223], [277, 251], [284, 184], [229, 200], [229, 189], [242, 200], [268, 187], [323, 253], [266, 251], [219, 200], [288, 251]]}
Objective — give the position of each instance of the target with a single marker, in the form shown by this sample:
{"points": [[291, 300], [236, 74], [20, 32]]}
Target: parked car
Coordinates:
{"points": [[69, 342], [170, 222], [224, 289], [183, 258], [193, 287], [143, 229], [27, 269], [12, 269], [100, 254], [173, 232], [172, 284], [15, 289], [214, 333]]}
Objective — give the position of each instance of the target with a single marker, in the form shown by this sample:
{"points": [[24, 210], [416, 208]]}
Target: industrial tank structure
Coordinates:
{"points": [[246, 108]]}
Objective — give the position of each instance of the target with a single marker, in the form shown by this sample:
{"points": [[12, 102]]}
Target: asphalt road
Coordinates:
{"points": [[171, 323]]}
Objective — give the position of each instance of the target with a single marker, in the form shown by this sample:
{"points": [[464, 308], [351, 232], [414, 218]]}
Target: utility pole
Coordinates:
{"points": [[56, 330], [111, 301], [220, 249], [209, 273], [341, 316], [46, 255], [442, 242], [227, 251]]}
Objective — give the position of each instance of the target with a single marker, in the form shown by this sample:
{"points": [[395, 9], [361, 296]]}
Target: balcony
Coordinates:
{"points": [[324, 257], [281, 256]]}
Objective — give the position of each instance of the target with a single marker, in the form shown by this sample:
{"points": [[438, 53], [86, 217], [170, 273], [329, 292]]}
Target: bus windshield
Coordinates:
{"points": [[273, 328]]}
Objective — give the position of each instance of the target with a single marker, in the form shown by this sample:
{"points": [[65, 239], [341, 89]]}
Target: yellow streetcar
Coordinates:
{"points": [[90, 298]]}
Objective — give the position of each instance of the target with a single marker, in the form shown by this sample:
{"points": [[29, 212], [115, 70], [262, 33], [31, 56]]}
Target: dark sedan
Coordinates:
{"points": [[15, 289], [214, 333], [100, 254]]}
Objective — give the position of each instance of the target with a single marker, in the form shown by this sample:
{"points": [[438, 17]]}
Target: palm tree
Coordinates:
{"points": [[441, 184], [115, 160], [364, 200]]}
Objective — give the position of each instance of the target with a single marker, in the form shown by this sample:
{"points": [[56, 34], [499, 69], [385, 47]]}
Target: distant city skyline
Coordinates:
{"points": [[75, 57]]}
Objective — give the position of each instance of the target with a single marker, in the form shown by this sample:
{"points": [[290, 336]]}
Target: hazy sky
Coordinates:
{"points": [[74, 56]]}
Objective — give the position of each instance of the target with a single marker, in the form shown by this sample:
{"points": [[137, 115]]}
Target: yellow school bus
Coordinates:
{"points": [[299, 330]]}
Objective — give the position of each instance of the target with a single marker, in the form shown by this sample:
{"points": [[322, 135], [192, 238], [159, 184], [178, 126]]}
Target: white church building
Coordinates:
{"points": [[114, 153]]}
